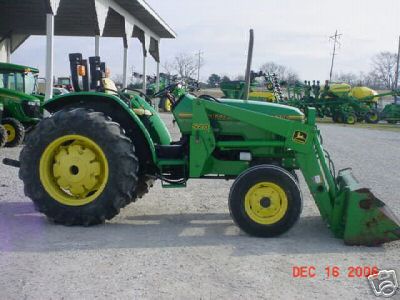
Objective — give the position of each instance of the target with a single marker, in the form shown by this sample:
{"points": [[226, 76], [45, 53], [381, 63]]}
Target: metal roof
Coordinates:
{"points": [[81, 18]]}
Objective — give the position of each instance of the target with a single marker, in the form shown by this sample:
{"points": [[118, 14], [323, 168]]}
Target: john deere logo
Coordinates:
{"points": [[300, 137]]}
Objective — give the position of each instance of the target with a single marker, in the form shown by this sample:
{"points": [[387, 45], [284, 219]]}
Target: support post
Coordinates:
{"points": [[144, 74], [97, 45], [125, 66], [49, 55], [8, 50], [396, 80], [158, 77]]}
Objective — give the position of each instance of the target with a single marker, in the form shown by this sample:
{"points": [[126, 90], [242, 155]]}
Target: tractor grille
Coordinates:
{"points": [[32, 111]]}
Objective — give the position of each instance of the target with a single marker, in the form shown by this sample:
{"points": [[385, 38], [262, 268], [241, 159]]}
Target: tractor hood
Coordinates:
{"points": [[19, 96], [272, 109]]}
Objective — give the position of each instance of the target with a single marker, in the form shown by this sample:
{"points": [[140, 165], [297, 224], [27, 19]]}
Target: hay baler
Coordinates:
{"points": [[102, 149]]}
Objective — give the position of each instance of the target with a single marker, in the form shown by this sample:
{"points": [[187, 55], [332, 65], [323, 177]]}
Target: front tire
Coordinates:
{"points": [[351, 119], [265, 201], [78, 167], [15, 132], [372, 117]]}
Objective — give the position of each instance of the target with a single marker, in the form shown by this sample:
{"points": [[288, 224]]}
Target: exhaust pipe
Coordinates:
{"points": [[248, 67]]}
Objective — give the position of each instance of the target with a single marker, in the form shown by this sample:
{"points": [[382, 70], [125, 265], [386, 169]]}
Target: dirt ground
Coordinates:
{"points": [[182, 244]]}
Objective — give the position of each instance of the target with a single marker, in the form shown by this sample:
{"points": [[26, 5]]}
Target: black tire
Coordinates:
{"points": [[372, 117], [163, 104], [256, 175], [337, 117], [3, 136], [117, 148], [17, 137], [351, 119]]}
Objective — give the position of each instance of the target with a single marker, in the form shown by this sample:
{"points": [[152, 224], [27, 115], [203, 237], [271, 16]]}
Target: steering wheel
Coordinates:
{"points": [[148, 100]]}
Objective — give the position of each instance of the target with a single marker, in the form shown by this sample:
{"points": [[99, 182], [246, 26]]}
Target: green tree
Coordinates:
{"points": [[214, 80]]}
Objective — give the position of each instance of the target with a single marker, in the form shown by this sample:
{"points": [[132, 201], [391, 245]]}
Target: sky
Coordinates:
{"points": [[289, 32]]}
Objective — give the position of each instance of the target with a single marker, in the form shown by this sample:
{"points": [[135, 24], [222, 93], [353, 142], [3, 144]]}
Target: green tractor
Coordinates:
{"points": [[102, 149], [391, 112], [267, 90], [22, 107], [184, 86], [3, 131]]}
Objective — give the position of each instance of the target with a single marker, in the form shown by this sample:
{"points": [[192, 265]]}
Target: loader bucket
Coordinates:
{"points": [[367, 220]]}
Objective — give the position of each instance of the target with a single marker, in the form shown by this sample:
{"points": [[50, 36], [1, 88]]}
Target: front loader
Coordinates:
{"points": [[101, 149]]}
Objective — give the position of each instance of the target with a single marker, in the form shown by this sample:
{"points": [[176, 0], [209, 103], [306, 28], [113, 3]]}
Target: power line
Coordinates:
{"points": [[336, 42]]}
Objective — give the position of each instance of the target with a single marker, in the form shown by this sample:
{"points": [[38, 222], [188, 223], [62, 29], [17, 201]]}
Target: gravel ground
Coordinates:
{"points": [[182, 244]]}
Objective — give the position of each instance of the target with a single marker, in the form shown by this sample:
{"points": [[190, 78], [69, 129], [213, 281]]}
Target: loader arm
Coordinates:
{"points": [[352, 212]]}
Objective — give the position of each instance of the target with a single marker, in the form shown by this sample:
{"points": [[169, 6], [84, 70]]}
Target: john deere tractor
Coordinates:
{"points": [[3, 132], [102, 149], [267, 90], [21, 104]]}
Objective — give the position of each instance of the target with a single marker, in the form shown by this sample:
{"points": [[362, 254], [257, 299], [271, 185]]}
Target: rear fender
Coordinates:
{"points": [[112, 106]]}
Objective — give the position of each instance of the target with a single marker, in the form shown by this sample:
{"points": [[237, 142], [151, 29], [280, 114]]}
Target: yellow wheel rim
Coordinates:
{"points": [[373, 117], [11, 133], [168, 105], [73, 170], [266, 203], [351, 120]]}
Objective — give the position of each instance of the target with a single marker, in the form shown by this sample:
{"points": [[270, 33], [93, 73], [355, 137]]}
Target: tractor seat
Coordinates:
{"points": [[174, 151]]}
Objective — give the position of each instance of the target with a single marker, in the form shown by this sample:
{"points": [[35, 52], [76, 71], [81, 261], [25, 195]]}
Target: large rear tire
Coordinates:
{"points": [[3, 136], [78, 167], [15, 132], [265, 201]]}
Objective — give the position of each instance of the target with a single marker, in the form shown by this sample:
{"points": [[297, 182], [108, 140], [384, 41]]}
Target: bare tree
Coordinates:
{"points": [[292, 77], [349, 78], [383, 68], [285, 75], [239, 77], [271, 67], [185, 65]]}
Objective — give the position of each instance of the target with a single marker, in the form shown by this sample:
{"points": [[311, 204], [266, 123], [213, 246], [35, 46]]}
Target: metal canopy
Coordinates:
{"points": [[78, 18], [108, 18]]}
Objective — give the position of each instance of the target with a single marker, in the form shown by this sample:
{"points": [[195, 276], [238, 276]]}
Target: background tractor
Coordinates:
{"points": [[185, 85], [3, 132], [22, 106], [391, 112], [264, 87], [101, 149]]}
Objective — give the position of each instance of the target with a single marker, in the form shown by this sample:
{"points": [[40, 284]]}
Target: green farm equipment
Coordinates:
{"points": [[391, 112], [22, 107], [101, 149], [3, 131], [269, 90], [185, 85], [341, 102]]}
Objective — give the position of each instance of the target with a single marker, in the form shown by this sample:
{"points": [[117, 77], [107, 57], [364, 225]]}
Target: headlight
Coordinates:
{"points": [[33, 103]]}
